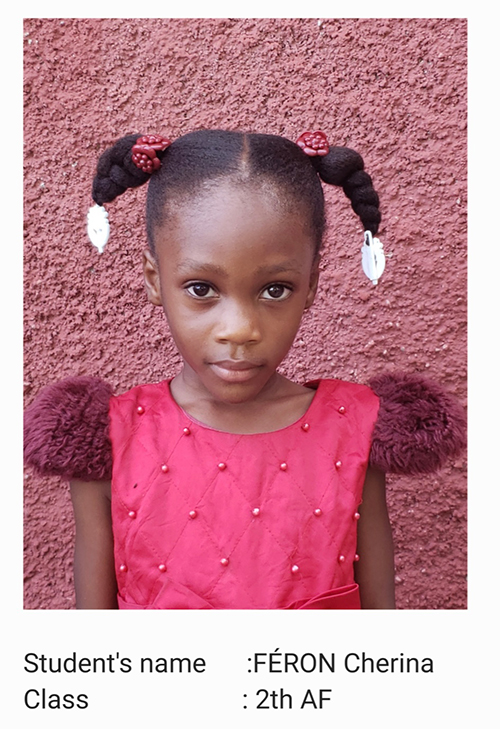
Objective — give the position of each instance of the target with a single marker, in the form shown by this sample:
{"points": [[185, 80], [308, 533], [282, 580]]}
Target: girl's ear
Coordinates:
{"points": [[151, 278], [313, 283]]}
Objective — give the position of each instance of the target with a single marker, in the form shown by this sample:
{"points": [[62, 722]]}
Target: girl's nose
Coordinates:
{"points": [[238, 325]]}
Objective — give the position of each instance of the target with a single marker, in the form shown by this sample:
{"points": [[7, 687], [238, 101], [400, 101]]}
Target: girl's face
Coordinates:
{"points": [[234, 273]]}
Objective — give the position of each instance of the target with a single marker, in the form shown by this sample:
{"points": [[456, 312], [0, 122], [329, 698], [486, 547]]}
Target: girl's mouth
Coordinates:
{"points": [[234, 370]]}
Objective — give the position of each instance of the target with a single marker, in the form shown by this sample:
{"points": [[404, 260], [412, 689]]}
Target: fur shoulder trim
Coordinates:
{"points": [[66, 430], [419, 425]]}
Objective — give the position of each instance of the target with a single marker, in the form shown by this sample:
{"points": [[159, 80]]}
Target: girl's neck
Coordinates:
{"points": [[279, 405]]}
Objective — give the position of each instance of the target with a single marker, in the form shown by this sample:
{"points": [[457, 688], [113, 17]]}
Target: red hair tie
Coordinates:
{"points": [[314, 144], [145, 149]]}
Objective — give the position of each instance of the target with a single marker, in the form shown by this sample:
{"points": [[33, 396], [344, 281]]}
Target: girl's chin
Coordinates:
{"points": [[230, 386], [235, 393]]}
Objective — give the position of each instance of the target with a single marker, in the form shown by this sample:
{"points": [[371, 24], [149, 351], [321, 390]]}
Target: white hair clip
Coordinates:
{"points": [[372, 257], [98, 226]]}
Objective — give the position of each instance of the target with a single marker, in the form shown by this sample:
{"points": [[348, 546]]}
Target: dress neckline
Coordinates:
{"points": [[316, 385]]}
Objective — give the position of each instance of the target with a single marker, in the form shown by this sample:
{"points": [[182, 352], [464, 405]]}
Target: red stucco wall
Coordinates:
{"points": [[393, 89]]}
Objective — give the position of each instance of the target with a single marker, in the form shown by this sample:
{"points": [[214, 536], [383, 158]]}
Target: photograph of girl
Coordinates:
{"points": [[256, 387]]}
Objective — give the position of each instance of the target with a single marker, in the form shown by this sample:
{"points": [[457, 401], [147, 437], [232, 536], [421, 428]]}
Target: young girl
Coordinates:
{"points": [[229, 486]]}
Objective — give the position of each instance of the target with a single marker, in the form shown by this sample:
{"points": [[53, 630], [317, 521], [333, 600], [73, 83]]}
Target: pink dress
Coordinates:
{"points": [[204, 519]]}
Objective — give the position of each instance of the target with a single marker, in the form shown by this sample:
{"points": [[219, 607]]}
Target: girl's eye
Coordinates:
{"points": [[201, 290], [278, 292]]}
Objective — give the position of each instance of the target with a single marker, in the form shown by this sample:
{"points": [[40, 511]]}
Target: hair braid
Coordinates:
{"points": [[344, 168], [116, 172]]}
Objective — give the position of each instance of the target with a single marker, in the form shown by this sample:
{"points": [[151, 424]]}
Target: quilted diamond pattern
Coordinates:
{"points": [[206, 519]]}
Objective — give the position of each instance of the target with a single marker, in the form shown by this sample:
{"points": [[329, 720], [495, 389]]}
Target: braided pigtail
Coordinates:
{"points": [[116, 172], [129, 163], [344, 168]]}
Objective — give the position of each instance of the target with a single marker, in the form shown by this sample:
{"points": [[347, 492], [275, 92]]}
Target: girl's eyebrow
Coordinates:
{"points": [[291, 266], [188, 264]]}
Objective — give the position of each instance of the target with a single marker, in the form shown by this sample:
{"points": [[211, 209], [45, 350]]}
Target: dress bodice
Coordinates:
{"points": [[207, 519]]}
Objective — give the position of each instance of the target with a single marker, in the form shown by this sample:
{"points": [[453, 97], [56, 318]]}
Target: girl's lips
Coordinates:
{"points": [[234, 370]]}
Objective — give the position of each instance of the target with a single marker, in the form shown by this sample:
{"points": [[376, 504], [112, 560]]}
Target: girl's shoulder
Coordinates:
{"points": [[419, 426], [66, 430], [67, 426]]}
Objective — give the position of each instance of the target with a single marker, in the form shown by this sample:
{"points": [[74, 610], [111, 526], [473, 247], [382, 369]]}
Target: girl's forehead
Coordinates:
{"points": [[217, 198], [230, 221]]}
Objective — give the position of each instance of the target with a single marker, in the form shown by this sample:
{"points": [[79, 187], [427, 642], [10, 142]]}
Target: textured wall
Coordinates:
{"points": [[393, 89]]}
